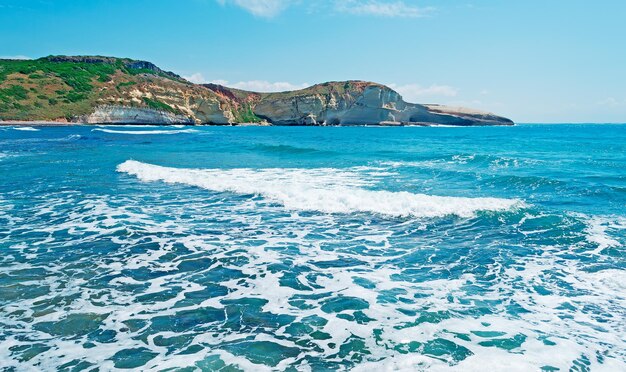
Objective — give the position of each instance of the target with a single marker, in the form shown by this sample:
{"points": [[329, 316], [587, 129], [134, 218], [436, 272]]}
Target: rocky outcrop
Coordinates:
{"points": [[464, 116], [131, 115], [354, 103], [149, 66]]}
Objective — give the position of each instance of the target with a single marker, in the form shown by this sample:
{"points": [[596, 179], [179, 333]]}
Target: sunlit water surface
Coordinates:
{"points": [[313, 248]]}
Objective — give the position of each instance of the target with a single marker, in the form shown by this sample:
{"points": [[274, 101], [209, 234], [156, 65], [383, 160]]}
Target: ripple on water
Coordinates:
{"points": [[158, 282]]}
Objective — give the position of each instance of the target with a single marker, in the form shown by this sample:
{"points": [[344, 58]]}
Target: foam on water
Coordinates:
{"points": [[598, 228], [102, 270], [401, 308], [177, 131], [151, 126], [456, 162], [27, 129], [323, 190]]}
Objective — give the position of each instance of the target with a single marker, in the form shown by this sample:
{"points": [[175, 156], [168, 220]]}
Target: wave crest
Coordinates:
{"points": [[144, 131], [26, 129], [323, 190]]}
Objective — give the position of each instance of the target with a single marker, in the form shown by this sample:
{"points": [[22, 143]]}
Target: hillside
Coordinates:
{"points": [[96, 89]]}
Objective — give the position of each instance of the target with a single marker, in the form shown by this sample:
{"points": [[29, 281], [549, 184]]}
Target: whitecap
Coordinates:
{"points": [[323, 190], [597, 232], [409, 164], [144, 131], [573, 331], [29, 129]]}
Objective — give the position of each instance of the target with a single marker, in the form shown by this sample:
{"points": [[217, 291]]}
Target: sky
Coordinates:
{"points": [[532, 61]]}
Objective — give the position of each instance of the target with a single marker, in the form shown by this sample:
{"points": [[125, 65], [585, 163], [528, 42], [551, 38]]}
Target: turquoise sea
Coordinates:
{"points": [[313, 248]]}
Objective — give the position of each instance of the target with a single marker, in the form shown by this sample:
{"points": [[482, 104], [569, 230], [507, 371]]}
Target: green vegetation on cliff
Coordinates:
{"points": [[14, 92], [53, 88], [245, 114], [78, 76], [160, 105]]}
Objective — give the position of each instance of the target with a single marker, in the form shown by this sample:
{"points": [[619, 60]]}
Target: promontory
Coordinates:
{"points": [[108, 90]]}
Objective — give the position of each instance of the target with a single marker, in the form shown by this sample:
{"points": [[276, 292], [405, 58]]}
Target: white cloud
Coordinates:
{"points": [[390, 9], [252, 85], [417, 93], [15, 57], [380, 8], [260, 8], [262, 85], [219, 82], [476, 104], [612, 102], [196, 78]]}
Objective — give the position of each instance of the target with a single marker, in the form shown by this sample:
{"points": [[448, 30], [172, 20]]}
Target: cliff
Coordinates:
{"points": [[96, 89], [354, 103]]}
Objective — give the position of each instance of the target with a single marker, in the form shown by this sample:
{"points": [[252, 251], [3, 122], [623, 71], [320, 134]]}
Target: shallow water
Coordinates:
{"points": [[251, 248]]}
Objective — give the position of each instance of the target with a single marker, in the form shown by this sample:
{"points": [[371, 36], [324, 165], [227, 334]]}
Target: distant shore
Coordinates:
{"points": [[59, 124], [41, 123]]}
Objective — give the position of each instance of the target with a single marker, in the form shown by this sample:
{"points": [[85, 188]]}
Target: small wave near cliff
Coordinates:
{"points": [[26, 129], [115, 131]]}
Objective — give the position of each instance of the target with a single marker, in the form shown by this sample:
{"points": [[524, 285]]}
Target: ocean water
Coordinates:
{"points": [[251, 248]]}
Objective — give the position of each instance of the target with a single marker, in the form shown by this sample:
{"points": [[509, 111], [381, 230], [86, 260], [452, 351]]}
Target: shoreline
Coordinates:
{"points": [[44, 123], [54, 124]]}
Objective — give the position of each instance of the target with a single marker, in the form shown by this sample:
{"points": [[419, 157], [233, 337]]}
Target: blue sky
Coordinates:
{"points": [[533, 61]]}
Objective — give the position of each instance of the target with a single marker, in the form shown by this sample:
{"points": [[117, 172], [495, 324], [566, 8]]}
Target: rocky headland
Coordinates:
{"points": [[107, 90]]}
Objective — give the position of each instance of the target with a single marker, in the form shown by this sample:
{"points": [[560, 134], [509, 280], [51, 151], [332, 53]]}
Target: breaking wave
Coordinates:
{"points": [[144, 131], [28, 129], [324, 190]]}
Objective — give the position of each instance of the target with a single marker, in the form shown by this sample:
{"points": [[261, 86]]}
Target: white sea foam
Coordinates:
{"points": [[29, 129], [124, 126], [598, 228], [433, 163], [323, 190], [144, 131], [130, 223]]}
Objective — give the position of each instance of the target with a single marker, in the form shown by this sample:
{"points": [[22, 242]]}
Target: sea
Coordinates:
{"points": [[313, 248]]}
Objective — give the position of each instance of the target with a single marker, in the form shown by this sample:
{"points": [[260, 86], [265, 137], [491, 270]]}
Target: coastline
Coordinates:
{"points": [[44, 123]]}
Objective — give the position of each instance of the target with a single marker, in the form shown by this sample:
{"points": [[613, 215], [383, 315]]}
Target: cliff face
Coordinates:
{"points": [[94, 89], [132, 115], [353, 103], [349, 103]]}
